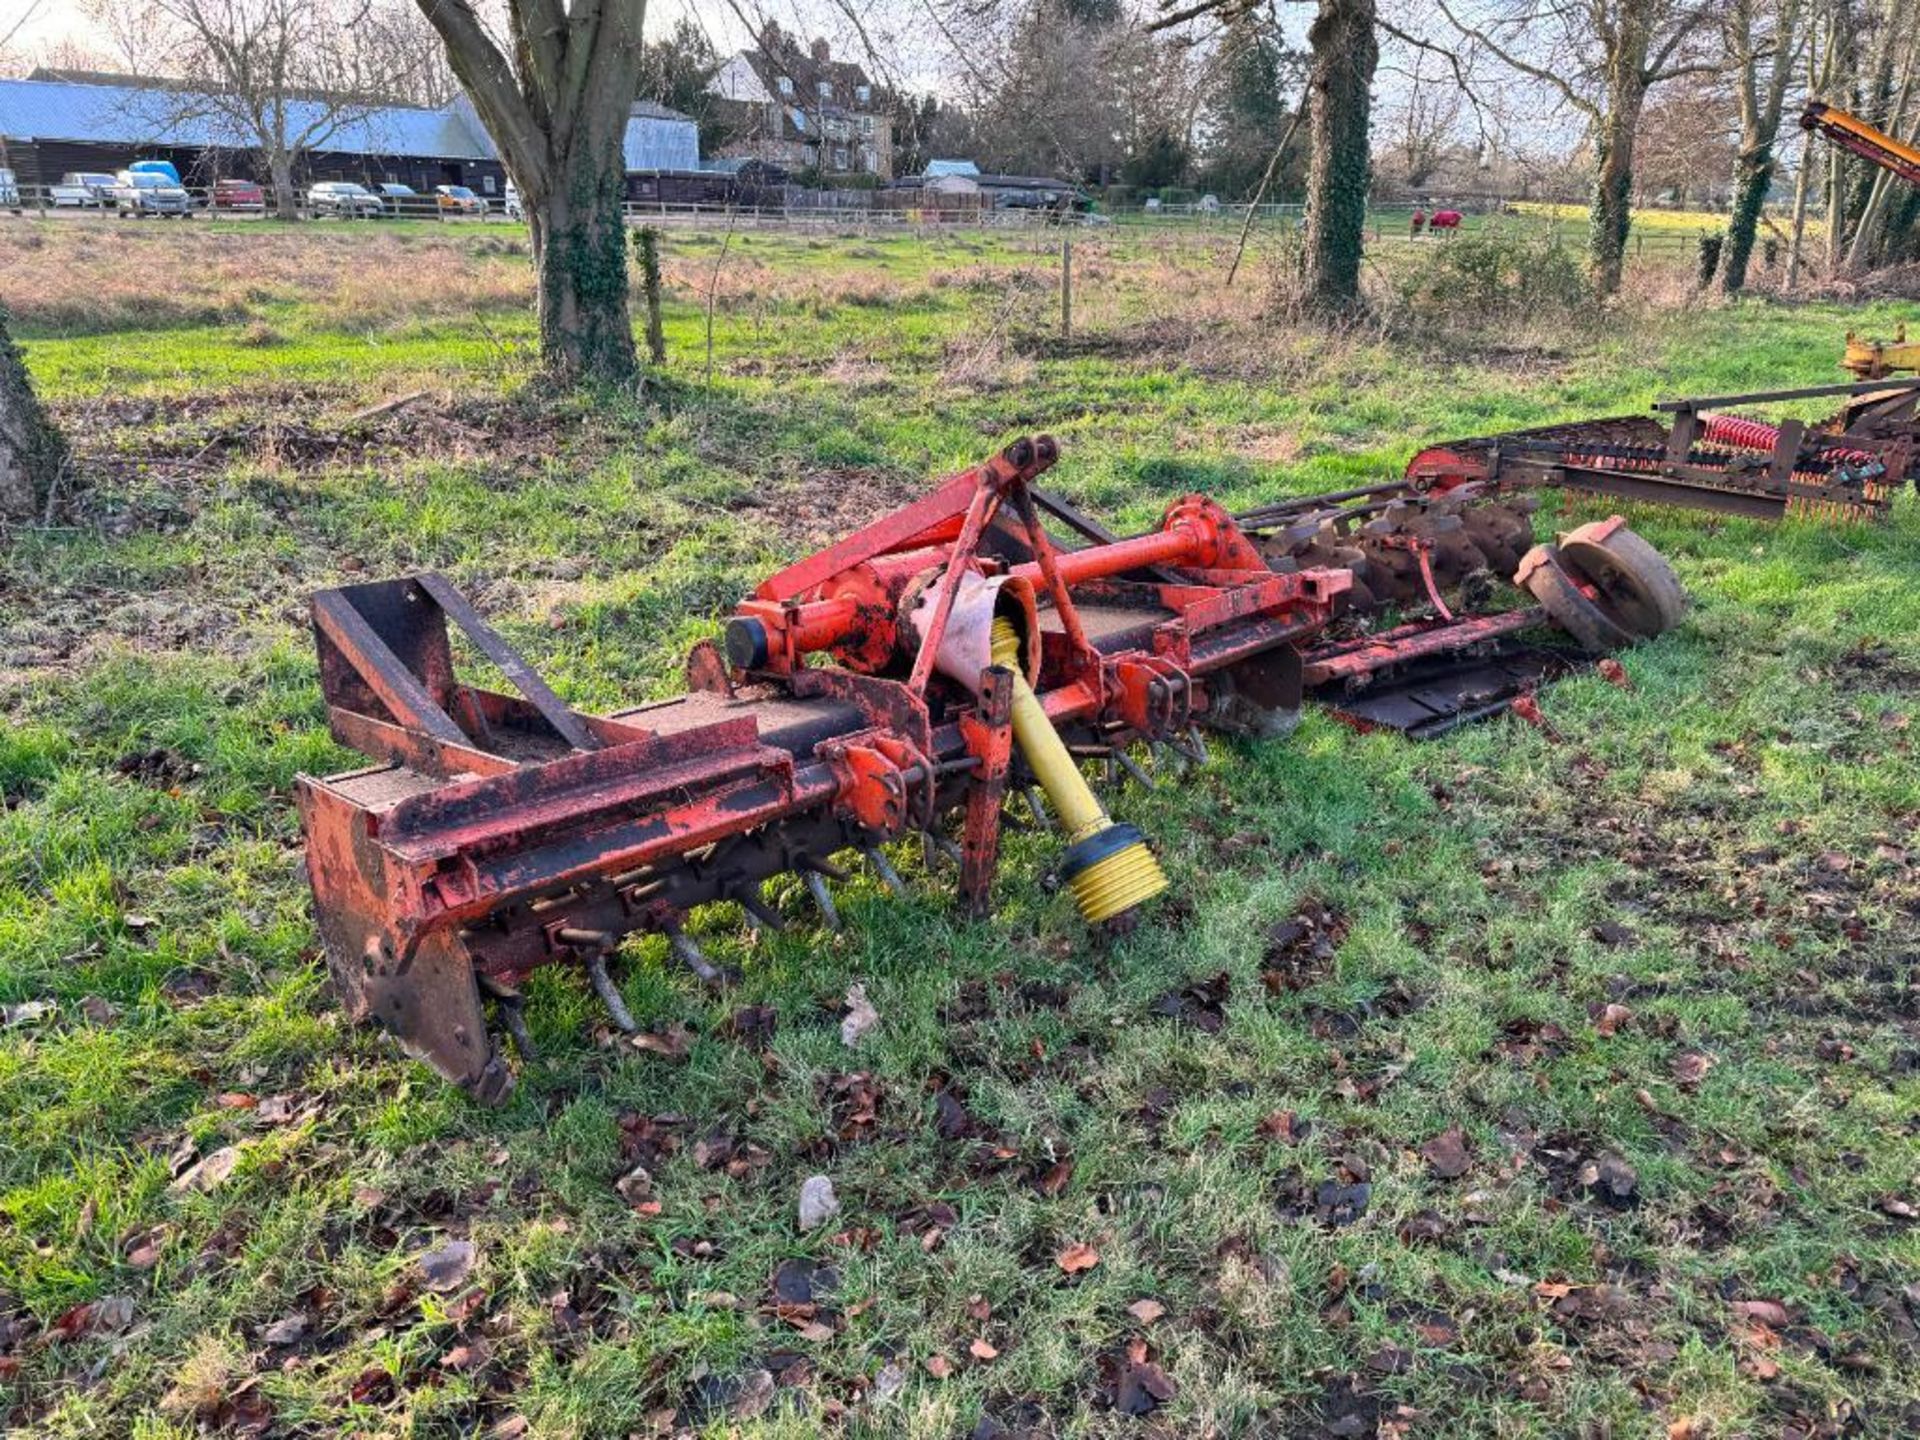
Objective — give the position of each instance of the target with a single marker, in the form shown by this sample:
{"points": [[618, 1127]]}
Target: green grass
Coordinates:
{"points": [[1746, 813]]}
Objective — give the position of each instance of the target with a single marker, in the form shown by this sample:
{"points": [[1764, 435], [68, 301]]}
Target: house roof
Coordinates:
{"points": [[779, 53], [146, 115], [666, 141], [138, 115]]}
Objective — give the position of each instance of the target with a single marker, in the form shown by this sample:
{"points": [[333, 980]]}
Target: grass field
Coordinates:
{"points": [[1658, 970]]}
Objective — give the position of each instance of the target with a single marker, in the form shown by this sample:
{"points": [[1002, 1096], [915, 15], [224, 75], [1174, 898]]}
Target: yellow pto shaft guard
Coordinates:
{"points": [[1108, 866]]}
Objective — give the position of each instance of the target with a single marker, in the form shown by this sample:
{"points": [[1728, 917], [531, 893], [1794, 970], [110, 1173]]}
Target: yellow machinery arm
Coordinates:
{"points": [[1850, 132], [1870, 359]]}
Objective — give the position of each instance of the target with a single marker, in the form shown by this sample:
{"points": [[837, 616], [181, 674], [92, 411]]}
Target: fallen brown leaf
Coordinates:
{"points": [[208, 1173], [982, 1351], [462, 1358], [1146, 1311], [446, 1267], [673, 1043], [939, 1366], [1690, 1067], [1077, 1257], [1054, 1181], [1446, 1154], [1767, 1312]]}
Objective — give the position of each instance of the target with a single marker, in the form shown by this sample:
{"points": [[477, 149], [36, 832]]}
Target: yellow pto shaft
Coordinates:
{"points": [[1108, 866]]}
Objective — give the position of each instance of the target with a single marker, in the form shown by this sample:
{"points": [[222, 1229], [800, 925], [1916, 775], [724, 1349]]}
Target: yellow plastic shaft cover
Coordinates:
{"points": [[1109, 868]]}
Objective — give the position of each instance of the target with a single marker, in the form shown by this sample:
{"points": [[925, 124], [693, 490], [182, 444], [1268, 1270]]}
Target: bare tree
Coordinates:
{"points": [[558, 113], [1423, 122], [1764, 40], [1600, 57], [281, 77]]}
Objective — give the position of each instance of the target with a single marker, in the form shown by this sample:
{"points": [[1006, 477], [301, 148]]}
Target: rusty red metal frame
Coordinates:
{"points": [[1698, 459], [498, 833]]}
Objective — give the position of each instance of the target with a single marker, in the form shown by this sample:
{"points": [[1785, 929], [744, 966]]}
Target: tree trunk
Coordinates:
{"points": [[32, 454], [286, 201], [1752, 177], [1611, 214], [1345, 51], [580, 261]]}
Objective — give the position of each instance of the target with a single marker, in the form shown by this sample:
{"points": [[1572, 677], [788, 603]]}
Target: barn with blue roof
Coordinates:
{"points": [[56, 122]]}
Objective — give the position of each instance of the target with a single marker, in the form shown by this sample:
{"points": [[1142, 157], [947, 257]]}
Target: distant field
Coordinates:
{"points": [[1657, 967]]}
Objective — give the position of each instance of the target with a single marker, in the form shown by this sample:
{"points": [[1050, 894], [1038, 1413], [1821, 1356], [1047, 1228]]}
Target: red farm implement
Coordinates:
{"points": [[899, 684], [1844, 469]]}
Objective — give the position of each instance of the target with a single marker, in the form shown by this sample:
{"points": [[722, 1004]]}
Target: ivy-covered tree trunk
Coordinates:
{"points": [[580, 261], [558, 112], [32, 454], [1752, 177], [1345, 52], [1611, 215]]}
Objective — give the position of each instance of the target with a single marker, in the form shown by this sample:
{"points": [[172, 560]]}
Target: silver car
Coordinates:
{"points": [[9, 192], [87, 189], [146, 192], [344, 199]]}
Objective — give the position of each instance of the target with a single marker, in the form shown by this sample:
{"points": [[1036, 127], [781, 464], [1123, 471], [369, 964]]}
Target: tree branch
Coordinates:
{"points": [[1478, 36], [489, 81]]}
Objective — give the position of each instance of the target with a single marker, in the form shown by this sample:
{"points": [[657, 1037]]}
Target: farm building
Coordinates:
{"points": [[959, 183], [54, 123]]}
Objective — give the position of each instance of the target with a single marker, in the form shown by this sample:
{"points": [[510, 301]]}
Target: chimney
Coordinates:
{"points": [[821, 52]]}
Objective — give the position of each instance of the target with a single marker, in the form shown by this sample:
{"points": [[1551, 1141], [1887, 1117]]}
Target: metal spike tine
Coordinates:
{"points": [[817, 887], [603, 986], [1038, 807], [755, 904], [513, 1019], [688, 954], [813, 865], [1132, 767], [942, 845], [883, 867], [1199, 743], [510, 1006]]}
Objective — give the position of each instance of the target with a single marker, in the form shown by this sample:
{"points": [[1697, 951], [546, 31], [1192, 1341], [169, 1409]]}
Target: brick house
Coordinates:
{"points": [[796, 106]]}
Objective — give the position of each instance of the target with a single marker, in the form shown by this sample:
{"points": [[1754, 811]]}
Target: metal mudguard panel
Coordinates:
{"points": [[1430, 697]]}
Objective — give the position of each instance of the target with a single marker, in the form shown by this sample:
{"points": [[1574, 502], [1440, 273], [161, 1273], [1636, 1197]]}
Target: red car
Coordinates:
{"points": [[238, 195]]}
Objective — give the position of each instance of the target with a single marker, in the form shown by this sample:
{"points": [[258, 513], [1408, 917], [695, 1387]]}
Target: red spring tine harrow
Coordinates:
{"points": [[905, 676]]}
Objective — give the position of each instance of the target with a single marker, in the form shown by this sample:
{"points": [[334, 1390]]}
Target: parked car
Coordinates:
{"points": [[400, 199], [459, 200], [9, 192], [512, 203], [344, 200], [82, 189], [238, 195], [147, 192]]}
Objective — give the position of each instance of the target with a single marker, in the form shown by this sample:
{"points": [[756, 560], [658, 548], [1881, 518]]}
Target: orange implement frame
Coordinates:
{"points": [[1850, 132]]}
